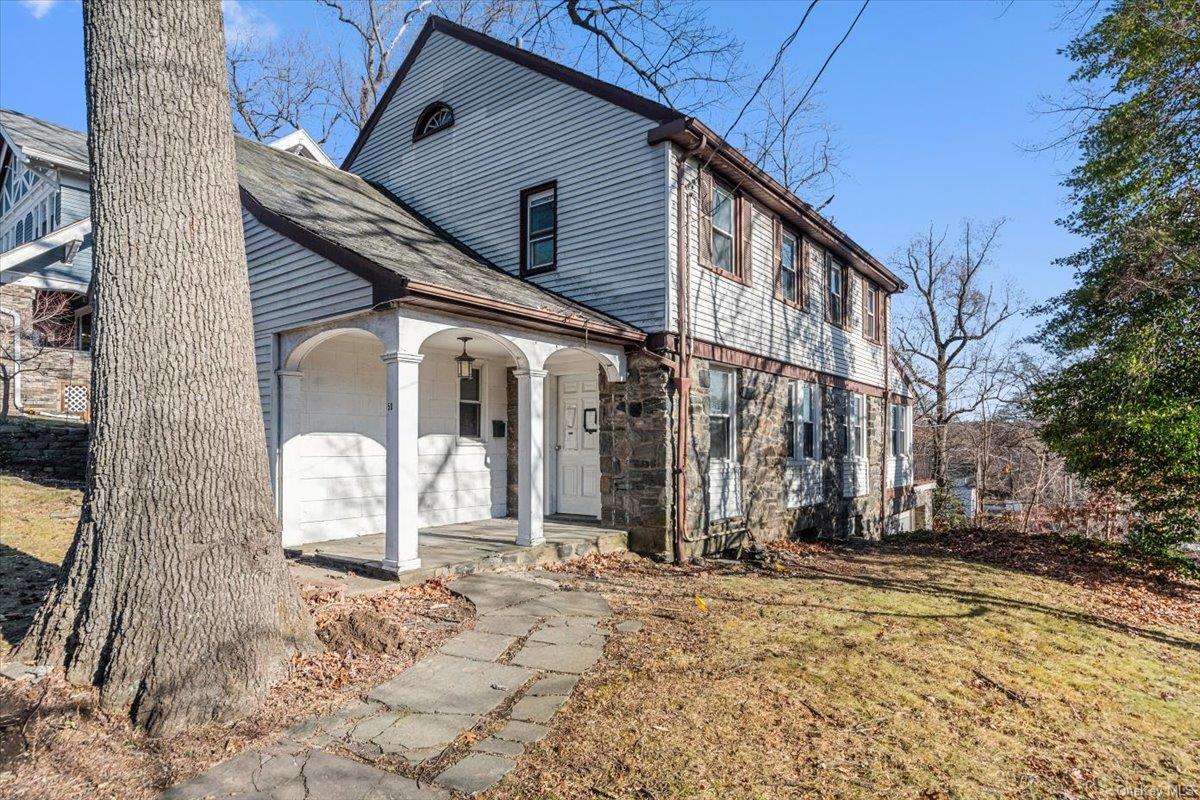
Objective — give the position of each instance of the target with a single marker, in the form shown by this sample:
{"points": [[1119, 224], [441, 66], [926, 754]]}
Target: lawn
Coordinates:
{"points": [[885, 672], [978, 665]]}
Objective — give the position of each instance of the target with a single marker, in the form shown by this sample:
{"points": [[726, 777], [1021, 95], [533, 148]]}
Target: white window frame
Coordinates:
{"points": [[901, 430], [715, 230], [835, 267], [854, 424], [731, 444], [802, 391], [871, 311], [795, 267], [480, 402], [541, 235]]}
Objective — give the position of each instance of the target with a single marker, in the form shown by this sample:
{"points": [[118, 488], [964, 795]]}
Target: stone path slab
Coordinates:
{"points": [[451, 685], [476, 772], [283, 773], [477, 645], [426, 710]]}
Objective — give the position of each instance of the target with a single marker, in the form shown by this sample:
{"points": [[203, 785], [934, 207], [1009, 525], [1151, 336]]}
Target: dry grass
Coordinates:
{"points": [[831, 672], [55, 742], [36, 526]]}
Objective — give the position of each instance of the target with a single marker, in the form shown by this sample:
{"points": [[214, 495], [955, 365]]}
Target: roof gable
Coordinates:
{"points": [[36, 138], [650, 109]]}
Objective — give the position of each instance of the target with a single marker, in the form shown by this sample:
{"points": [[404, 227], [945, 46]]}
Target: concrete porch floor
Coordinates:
{"points": [[463, 549]]}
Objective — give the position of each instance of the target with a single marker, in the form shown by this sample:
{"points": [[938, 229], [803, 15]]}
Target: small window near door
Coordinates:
{"points": [[900, 441], [722, 393], [470, 405]]}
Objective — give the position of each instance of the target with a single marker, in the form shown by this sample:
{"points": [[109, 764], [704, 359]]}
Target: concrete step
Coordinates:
{"points": [[604, 542]]}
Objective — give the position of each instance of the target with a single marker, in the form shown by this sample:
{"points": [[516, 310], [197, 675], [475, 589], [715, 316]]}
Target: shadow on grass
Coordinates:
{"points": [[980, 601], [24, 583]]}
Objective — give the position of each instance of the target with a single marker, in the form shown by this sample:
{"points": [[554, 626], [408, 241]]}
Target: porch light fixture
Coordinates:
{"points": [[464, 361]]}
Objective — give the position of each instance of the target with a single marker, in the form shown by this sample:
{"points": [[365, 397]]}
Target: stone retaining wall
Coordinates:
{"points": [[49, 448]]}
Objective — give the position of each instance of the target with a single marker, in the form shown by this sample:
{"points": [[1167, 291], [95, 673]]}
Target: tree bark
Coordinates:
{"points": [[174, 598]]}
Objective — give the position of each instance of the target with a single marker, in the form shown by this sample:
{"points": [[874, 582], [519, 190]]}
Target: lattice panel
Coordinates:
{"points": [[75, 399]]}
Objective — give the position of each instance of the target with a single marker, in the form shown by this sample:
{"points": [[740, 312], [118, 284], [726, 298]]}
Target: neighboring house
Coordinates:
{"points": [[45, 267], [481, 316]]}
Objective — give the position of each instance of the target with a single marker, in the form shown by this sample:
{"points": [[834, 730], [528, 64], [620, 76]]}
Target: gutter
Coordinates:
{"points": [[434, 296], [691, 133]]}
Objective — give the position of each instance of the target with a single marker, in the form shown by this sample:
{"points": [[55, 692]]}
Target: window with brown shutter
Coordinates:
{"points": [[871, 311], [837, 290], [789, 269], [725, 228]]}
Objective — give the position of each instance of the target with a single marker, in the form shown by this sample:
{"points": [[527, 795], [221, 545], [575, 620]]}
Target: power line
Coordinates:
{"points": [[767, 76], [788, 120]]}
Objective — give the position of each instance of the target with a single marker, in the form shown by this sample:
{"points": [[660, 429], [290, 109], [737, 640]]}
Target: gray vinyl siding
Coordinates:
{"points": [[750, 318], [75, 203], [515, 128], [289, 286]]}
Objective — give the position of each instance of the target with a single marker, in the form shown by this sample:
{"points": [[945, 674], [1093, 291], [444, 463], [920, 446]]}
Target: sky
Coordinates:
{"points": [[933, 106]]}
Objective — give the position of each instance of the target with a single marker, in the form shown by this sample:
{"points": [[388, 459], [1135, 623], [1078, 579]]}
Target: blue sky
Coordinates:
{"points": [[931, 103]]}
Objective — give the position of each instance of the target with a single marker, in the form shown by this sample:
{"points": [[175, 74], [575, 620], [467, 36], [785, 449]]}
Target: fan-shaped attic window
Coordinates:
{"points": [[436, 117]]}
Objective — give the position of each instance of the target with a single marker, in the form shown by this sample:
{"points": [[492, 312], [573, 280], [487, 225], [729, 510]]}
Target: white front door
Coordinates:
{"points": [[579, 445]]}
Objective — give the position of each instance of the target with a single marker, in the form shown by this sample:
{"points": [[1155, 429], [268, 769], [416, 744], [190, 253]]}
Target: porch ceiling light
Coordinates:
{"points": [[464, 361]]}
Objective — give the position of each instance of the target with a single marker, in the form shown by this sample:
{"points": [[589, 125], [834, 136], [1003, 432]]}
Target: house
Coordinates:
{"points": [[489, 310]]}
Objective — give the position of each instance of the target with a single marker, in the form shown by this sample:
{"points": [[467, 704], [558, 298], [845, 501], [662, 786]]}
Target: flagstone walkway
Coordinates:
{"points": [[503, 682]]}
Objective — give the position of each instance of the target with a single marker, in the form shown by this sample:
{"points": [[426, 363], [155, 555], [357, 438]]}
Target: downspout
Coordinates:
{"points": [[887, 416], [683, 348], [16, 378]]}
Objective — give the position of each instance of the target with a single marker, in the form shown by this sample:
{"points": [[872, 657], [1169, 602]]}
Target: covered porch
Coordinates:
{"points": [[412, 441], [464, 549]]}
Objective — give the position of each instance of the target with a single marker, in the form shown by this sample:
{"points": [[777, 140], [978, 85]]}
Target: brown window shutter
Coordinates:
{"points": [[777, 243], [802, 273], [705, 215], [848, 277], [746, 231]]}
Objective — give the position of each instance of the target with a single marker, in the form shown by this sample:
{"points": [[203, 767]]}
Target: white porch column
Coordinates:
{"points": [[288, 429], [400, 541], [531, 395]]}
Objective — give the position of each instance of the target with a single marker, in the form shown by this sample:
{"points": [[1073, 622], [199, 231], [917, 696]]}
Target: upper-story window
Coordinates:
{"points": [[722, 228], [789, 267], [835, 290], [539, 229], [436, 117], [871, 321], [722, 405], [725, 228]]}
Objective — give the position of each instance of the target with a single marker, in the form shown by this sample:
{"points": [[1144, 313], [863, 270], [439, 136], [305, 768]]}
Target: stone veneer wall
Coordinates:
{"points": [[40, 377], [762, 443], [636, 454], [57, 449]]}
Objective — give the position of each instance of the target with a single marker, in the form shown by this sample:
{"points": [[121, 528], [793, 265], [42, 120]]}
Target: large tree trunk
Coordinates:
{"points": [[174, 598]]}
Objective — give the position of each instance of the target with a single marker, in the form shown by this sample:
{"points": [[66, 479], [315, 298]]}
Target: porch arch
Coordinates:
{"points": [[332, 438]]}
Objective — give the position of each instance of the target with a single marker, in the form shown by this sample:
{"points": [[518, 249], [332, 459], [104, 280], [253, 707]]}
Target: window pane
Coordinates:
{"points": [[468, 419], [722, 210], [719, 392], [810, 438], [788, 281], [541, 215], [468, 388], [541, 252], [722, 250], [718, 436]]}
